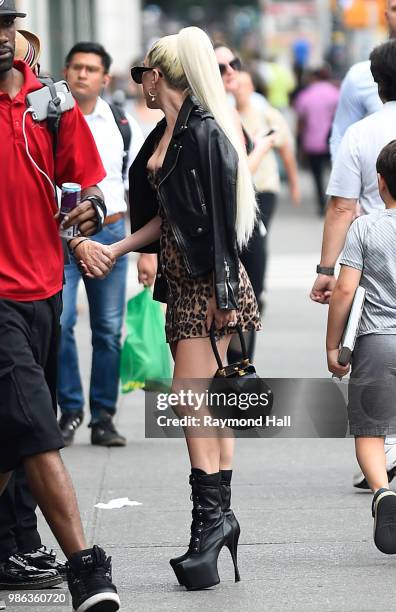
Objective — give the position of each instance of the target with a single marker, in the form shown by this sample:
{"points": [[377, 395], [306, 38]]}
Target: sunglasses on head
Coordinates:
{"points": [[235, 64], [138, 71]]}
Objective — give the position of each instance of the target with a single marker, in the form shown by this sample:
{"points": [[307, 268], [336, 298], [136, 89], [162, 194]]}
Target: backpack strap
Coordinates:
{"points": [[126, 133], [54, 111], [53, 121], [53, 117]]}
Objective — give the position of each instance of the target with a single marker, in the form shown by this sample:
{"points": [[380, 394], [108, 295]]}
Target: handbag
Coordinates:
{"points": [[236, 393]]}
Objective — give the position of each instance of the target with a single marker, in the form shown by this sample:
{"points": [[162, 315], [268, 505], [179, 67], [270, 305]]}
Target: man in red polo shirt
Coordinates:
{"points": [[31, 276]]}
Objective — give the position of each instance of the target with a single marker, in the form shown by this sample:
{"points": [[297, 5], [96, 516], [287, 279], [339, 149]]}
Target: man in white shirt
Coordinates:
{"points": [[354, 179], [359, 93], [87, 72]]}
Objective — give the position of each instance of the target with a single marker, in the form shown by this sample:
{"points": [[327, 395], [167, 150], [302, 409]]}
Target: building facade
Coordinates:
{"points": [[61, 23]]}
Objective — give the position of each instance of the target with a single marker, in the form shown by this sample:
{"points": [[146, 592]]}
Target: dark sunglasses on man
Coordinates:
{"points": [[235, 64], [138, 71]]}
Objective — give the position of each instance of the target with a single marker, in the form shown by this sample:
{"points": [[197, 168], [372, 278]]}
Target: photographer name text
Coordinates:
{"points": [[210, 421]]}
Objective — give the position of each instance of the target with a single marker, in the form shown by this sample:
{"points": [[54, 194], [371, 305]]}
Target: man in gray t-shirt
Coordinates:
{"points": [[371, 247]]}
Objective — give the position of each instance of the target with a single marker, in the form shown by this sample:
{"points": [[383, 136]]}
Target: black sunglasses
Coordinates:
{"points": [[235, 64], [138, 71]]}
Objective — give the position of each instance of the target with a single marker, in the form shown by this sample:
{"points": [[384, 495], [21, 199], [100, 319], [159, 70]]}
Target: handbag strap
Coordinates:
{"points": [[214, 344]]}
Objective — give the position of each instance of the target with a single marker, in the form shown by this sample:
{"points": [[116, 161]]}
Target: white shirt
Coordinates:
{"points": [[111, 149], [354, 173], [358, 98], [259, 101]]}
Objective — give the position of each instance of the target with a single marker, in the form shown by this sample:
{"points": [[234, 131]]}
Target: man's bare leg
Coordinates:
{"points": [[53, 490]]}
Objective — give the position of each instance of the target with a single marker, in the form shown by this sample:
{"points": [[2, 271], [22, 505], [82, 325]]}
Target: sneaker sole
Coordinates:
{"points": [[30, 586], [385, 523], [109, 444], [101, 602]]}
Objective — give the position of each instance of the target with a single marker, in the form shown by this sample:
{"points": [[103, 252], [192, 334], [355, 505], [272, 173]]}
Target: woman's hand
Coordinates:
{"points": [[222, 318], [333, 365], [96, 260], [147, 269], [264, 142]]}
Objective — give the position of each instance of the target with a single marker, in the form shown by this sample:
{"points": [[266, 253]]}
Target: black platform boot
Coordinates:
{"points": [[225, 491], [177, 560], [210, 531]]}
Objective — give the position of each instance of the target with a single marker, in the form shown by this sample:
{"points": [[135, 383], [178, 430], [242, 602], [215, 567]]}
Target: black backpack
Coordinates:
{"points": [[126, 133]]}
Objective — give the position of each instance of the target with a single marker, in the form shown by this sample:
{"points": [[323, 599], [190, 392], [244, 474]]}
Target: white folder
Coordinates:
{"points": [[352, 327]]}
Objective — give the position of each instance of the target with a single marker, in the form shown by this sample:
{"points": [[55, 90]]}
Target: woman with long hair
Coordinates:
{"points": [[262, 129], [258, 147], [193, 202]]}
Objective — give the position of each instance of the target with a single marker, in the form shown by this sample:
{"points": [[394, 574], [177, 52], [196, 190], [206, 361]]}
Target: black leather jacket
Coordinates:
{"points": [[198, 194]]}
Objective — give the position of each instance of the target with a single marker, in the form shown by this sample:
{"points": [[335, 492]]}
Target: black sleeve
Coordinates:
{"points": [[219, 167]]}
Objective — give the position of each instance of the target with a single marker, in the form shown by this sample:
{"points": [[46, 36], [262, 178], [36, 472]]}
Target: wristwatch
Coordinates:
{"points": [[100, 209], [323, 270]]}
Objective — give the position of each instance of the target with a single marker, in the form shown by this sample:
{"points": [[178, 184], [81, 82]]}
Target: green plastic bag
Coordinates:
{"points": [[145, 356]]}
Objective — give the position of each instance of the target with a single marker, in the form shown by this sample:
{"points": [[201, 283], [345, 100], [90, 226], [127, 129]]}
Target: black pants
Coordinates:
{"points": [[254, 258], [18, 522], [317, 163], [30, 336], [255, 255]]}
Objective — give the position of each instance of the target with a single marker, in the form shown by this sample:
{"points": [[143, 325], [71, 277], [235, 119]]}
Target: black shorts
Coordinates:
{"points": [[29, 337]]}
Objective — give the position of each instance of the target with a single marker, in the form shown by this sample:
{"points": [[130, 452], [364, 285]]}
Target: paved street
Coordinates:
{"points": [[306, 542]]}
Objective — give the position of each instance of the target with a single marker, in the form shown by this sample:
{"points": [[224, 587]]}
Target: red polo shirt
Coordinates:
{"points": [[31, 255]]}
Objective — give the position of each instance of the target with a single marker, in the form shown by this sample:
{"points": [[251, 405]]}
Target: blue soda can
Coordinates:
{"points": [[71, 197]]}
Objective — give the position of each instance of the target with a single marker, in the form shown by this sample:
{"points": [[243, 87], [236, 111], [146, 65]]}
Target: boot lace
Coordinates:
{"points": [[197, 524]]}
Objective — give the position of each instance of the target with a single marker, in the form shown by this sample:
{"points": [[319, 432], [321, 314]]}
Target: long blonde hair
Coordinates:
{"points": [[188, 61]]}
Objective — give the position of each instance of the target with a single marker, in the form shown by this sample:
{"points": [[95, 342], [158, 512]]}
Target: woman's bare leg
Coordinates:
{"points": [[370, 454], [194, 359], [227, 446]]}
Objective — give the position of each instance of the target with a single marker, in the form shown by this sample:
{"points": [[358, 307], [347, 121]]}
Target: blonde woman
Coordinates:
{"points": [[192, 201]]}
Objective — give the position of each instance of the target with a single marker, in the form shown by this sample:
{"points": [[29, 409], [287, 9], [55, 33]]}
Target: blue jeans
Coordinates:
{"points": [[106, 300]]}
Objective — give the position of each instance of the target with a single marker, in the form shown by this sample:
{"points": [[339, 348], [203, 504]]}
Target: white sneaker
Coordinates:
{"points": [[359, 480]]}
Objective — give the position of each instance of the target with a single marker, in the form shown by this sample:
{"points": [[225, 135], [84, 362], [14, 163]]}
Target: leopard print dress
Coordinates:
{"points": [[188, 298]]}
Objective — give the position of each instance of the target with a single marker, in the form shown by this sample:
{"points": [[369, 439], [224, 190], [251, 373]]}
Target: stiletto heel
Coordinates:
{"points": [[232, 546], [225, 489]]}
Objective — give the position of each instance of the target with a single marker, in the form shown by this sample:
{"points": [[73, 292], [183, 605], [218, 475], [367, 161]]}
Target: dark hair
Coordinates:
{"points": [[383, 69], [323, 73], [386, 166], [90, 47]]}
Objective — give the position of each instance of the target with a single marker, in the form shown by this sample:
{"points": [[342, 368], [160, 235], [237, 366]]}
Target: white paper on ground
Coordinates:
{"points": [[117, 503]]}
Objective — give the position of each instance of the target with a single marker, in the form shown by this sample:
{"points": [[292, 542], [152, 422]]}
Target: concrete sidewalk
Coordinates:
{"points": [[306, 540]]}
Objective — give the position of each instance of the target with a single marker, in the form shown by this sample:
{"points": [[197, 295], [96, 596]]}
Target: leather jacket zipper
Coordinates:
{"points": [[227, 269], [227, 284], [173, 166], [199, 191], [173, 227], [177, 236]]}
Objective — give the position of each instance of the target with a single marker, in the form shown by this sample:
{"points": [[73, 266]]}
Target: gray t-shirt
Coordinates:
{"points": [[371, 247]]}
